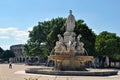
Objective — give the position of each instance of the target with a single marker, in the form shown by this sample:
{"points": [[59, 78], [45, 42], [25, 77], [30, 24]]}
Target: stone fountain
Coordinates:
{"points": [[70, 56], [69, 50]]}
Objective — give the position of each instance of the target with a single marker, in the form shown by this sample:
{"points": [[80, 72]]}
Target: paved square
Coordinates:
{"points": [[17, 73]]}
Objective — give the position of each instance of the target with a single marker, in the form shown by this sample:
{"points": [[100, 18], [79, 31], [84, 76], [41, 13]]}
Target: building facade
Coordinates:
{"points": [[19, 53]]}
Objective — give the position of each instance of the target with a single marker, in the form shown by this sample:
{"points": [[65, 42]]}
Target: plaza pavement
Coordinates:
{"points": [[18, 73]]}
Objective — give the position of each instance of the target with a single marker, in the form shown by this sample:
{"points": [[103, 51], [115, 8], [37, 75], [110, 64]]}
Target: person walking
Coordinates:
{"points": [[10, 65]]}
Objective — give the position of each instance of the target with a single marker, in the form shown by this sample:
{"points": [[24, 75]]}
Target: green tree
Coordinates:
{"points": [[57, 27], [7, 54], [33, 50], [47, 31], [27, 50], [108, 44], [88, 36], [37, 36], [1, 52]]}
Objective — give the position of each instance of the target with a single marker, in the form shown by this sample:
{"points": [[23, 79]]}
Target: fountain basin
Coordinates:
{"points": [[91, 72], [68, 63], [78, 58]]}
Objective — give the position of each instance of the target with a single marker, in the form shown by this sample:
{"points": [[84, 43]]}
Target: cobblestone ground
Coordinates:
{"points": [[17, 73]]}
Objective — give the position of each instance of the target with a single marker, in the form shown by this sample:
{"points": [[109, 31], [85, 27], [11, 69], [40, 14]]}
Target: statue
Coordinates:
{"points": [[80, 44], [71, 40], [78, 37], [60, 38], [70, 22], [60, 46], [73, 46], [69, 50]]}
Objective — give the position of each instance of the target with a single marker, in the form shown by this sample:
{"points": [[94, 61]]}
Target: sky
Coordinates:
{"points": [[17, 17]]}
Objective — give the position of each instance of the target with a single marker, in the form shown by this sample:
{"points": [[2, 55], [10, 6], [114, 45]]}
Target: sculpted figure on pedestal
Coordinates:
{"points": [[60, 46], [70, 22], [60, 38]]}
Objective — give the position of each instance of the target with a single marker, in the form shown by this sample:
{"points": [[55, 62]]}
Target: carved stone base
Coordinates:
{"points": [[68, 63]]}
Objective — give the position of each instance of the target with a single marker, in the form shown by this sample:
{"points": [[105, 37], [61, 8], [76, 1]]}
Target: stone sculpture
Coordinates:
{"points": [[69, 48], [71, 43], [70, 22]]}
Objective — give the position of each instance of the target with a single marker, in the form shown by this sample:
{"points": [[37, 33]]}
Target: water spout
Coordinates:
{"points": [[86, 51]]}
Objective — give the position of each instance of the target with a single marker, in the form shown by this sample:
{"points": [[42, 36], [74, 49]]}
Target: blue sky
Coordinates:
{"points": [[19, 16]]}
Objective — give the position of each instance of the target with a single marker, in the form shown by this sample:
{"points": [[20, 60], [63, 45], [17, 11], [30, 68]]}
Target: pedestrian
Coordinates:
{"points": [[10, 65]]}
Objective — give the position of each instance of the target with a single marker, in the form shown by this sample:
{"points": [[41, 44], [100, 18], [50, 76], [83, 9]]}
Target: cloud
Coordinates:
{"points": [[6, 30], [4, 37], [19, 35], [12, 34]]}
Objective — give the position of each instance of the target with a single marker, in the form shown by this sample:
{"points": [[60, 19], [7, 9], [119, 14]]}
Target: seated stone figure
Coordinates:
{"points": [[73, 46], [72, 42], [80, 45], [60, 38], [60, 46]]}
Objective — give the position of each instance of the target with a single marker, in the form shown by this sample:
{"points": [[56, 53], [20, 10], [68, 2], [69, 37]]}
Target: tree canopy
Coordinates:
{"points": [[47, 31], [88, 36], [108, 44], [5, 55], [104, 44], [1, 52]]}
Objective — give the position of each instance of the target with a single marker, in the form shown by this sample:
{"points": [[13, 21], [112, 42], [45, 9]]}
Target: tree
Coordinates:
{"points": [[27, 50], [57, 27], [7, 54], [88, 36], [37, 36], [81, 28], [32, 50], [108, 44], [47, 31], [1, 52]]}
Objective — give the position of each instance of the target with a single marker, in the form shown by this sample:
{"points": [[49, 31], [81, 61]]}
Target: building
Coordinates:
{"points": [[18, 51], [19, 54]]}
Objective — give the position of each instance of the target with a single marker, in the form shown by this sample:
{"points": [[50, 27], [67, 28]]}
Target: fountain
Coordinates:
{"points": [[70, 56], [69, 50]]}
